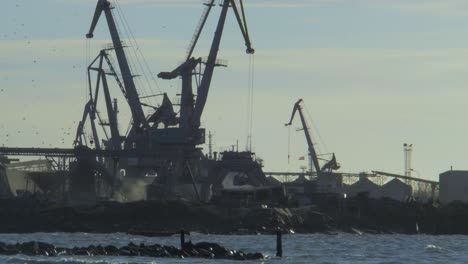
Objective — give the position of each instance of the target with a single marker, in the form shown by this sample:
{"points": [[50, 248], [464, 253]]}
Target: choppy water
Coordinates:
{"points": [[342, 248]]}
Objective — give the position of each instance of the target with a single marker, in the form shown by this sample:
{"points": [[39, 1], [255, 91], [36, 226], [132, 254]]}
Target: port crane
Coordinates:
{"points": [[191, 110], [170, 151], [91, 106], [313, 158], [176, 158], [143, 130], [188, 132], [135, 137], [191, 106]]}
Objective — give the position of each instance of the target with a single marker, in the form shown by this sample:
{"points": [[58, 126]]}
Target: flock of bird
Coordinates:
{"points": [[18, 33]]}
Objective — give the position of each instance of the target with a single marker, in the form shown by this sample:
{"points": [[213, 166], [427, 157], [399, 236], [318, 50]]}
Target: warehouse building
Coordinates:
{"points": [[453, 186]]}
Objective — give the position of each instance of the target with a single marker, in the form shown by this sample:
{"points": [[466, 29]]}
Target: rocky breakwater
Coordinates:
{"points": [[198, 250]]}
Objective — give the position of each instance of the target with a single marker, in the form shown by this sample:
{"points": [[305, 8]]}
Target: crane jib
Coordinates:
{"points": [[139, 119], [311, 148]]}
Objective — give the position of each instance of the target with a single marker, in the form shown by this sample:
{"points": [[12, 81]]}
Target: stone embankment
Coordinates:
{"points": [[189, 250]]}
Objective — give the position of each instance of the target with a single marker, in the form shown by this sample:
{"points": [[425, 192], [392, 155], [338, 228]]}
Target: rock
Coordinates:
{"points": [[112, 250], [165, 253], [173, 251], [80, 252], [127, 251], [8, 250], [239, 255], [29, 248], [62, 251], [100, 250], [254, 256], [203, 253], [217, 250]]}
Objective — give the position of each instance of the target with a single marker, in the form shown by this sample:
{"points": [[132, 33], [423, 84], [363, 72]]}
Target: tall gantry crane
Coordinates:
{"points": [[191, 106], [313, 158], [312, 153], [191, 110], [175, 157], [111, 105], [202, 91], [140, 122]]}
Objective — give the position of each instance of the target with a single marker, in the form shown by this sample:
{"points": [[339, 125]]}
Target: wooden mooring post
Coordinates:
{"points": [[279, 243], [182, 238]]}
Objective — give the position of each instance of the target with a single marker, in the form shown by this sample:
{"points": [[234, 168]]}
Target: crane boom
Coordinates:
{"points": [[97, 14], [243, 26], [199, 29], [203, 89], [310, 144], [111, 114], [139, 119]]}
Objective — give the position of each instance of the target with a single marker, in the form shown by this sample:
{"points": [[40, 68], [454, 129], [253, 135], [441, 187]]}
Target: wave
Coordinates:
{"points": [[19, 259], [435, 249]]}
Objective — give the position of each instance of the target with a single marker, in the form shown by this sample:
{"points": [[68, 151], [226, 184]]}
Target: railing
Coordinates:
{"points": [[84, 152]]}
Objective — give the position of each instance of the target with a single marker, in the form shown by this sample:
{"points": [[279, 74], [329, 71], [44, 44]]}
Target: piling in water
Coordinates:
{"points": [[182, 239], [279, 244]]}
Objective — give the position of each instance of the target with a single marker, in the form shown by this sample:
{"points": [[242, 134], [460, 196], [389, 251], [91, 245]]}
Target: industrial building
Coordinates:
{"points": [[453, 186], [396, 190], [5, 191], [363, 185], [328, 182]]}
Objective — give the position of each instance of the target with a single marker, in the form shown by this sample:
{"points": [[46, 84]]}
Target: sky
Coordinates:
{"points": [[374, 74]]}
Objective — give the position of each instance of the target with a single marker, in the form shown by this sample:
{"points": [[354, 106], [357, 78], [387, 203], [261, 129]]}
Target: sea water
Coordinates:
{"points": [[297, 248]]}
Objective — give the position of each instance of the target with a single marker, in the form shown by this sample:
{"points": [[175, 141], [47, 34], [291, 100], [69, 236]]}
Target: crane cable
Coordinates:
{"points": [[250, 102], [87, 61], [133, 61], [289, 144], [252, 97], [87, 95], [138, 54]]}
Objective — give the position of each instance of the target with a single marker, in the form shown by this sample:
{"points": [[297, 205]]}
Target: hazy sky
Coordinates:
{"points": [[374, 74]]}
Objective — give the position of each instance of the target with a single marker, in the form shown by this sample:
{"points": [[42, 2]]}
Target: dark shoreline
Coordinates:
{"points": [[160, 218]]}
